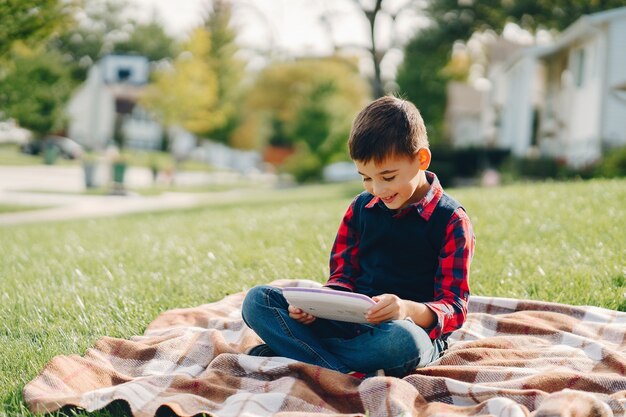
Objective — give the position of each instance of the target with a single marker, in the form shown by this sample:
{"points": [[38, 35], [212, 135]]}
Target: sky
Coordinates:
{"points": [[290, 24], [290, 27]]}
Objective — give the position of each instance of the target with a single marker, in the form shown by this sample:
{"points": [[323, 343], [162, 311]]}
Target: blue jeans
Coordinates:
{"points": [[397, 346]]}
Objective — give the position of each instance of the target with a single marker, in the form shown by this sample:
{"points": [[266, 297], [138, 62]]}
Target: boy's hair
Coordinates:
{"points": [[385, 127]]}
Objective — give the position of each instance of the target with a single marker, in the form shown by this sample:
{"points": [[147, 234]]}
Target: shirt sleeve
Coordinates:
{"points": [[344, 263], [452, 276]]}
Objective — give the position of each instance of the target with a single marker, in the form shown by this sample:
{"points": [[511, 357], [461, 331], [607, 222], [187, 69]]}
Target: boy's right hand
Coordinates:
{"points": [[299, 315]]}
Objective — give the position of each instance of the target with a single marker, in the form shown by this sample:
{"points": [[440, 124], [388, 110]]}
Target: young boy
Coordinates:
{"points": [[403, 242]]}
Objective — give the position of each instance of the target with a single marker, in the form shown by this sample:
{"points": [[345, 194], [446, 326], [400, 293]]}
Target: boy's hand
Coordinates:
{"points": [[299, 315], [388, 307]]}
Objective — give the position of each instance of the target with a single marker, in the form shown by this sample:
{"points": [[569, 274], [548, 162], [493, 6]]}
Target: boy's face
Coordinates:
{"points": [[398, 181]]}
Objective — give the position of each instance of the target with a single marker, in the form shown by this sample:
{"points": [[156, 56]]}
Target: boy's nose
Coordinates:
{"points": [[378, 189]]}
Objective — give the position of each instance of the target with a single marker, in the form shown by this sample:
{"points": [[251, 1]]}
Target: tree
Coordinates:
{"points": [[186, 93], [149, 40], [422, 81], [376, 14], [422, 77], [306, 104], [35, 91], [31, 21], [93, 36], [104, 29], [228, 69], [459, 19]]}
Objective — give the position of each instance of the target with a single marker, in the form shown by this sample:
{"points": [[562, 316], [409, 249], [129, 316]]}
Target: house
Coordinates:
{"points": [[474, 111], [567, 100], [106, 106], [463, 115]]}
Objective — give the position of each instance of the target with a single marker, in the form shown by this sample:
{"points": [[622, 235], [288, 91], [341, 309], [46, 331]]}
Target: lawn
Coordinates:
{"points": [[12, 208], [64, 285]]}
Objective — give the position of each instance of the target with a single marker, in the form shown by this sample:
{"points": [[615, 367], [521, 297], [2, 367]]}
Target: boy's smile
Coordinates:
{"points": [[399, 180]]}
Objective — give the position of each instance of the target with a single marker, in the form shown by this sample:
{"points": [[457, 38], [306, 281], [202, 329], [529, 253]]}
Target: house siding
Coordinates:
{"points": [[585, 93], [614, 124], [517, 118]]}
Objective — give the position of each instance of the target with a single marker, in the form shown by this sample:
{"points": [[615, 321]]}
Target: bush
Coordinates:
{"points": [[613, 164], [304, 166], [450, 163], [535, 168]]}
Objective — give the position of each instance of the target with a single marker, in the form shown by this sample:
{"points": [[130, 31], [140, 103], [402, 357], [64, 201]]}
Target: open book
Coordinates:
{"points": [[331, 304]]}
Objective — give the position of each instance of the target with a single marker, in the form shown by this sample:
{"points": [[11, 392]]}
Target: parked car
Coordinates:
{"points": [[66, 147]]}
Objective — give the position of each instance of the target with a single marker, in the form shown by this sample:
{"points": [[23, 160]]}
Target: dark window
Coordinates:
{"points": [[123, 74]]}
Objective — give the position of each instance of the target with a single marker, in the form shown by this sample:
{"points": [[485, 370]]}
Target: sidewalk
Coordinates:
{"points": [[80, 207], [56, 190]]}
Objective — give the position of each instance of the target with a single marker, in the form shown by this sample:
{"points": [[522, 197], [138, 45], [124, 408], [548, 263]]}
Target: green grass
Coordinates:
{"points": [[12, 208], [66, 284]]}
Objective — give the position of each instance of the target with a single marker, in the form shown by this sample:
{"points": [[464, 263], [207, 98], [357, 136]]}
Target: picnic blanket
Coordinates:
{"points": [[512, 358]]}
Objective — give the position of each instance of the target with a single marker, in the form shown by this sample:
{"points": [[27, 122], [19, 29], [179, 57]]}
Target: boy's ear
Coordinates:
{"points": [[423, 158]]}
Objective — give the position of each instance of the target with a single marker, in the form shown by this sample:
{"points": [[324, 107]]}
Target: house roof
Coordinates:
{"points": [[585, 26]]}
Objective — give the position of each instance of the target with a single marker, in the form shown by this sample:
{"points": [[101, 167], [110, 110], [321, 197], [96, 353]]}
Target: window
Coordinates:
{"points": [[123, 74]]}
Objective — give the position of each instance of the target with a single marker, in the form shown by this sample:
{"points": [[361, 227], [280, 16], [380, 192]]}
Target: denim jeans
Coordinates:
{"points": [[397, 346]]}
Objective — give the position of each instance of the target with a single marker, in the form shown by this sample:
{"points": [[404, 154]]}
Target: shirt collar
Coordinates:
{"points": [[425, 207]]}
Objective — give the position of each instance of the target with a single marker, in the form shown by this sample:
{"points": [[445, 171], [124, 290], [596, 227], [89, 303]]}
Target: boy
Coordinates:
{"points": [[403, 242]]}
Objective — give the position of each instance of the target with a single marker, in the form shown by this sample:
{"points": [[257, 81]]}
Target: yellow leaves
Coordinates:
{"points": [[187, 93], [283, 87]]}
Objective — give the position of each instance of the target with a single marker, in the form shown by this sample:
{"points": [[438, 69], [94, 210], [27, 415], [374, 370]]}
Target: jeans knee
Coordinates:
{"points": [[406, 347], [257, 300], [412, 348], [253, 299]]}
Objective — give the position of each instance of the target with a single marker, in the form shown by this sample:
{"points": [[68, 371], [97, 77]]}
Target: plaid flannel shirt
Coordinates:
{"points": [[451, 289]]}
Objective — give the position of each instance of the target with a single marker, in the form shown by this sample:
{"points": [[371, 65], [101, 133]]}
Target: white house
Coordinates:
{"points": [[105, 106], [474, 112], [463, 115], [566, 100]]}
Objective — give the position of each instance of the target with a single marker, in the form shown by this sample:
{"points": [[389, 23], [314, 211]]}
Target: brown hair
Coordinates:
{"points": [[387, 126]]}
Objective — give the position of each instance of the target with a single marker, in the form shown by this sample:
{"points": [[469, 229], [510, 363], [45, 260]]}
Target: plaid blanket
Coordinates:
{"points": [[512, 358]]}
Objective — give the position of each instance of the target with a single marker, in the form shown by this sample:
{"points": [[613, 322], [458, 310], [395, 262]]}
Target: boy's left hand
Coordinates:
{"points": [[388, 307]]}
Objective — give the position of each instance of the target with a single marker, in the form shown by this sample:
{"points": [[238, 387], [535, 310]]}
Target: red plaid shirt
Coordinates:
{"points": [[451, 279]]}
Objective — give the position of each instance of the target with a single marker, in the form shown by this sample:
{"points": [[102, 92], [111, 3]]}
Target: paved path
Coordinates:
{"points": [[57, 190]]}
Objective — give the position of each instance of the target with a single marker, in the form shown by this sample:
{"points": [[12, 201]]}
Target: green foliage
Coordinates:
{"points": [[422, 77], [35, 91], [313, 123], [279, 136], [31, 21], [91, 38], [67, 284], [307, 102], [422, 81], [534, 168], [304, 165], [104, 29], [149, 40], [202, 90], [461, 19], [228, 68], [449, 163], [614, 163], [186, 93]]}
